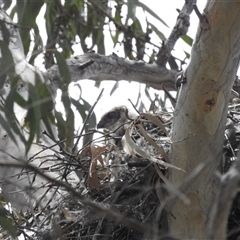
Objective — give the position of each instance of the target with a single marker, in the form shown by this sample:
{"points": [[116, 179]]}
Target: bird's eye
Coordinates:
{"points": [[111, 115]]}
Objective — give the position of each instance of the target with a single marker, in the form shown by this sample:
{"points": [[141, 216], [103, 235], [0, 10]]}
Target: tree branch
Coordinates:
{"points": [[114, 68], [229, 185], [88, 66], [180, 29]]}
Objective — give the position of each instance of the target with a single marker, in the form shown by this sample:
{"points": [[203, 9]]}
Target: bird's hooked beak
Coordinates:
{"points": [[101, 124]]}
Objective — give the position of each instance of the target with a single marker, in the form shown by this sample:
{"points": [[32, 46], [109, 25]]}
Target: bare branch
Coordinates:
{"points": [[180, 28], [229, 185], [114, 68]]}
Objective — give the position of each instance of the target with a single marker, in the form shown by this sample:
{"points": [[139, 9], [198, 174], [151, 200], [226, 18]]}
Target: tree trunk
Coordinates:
{"points": [[200, 116]]}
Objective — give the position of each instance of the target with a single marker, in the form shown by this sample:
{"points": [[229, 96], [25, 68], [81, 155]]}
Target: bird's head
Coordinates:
{"points": [[114, 119]]}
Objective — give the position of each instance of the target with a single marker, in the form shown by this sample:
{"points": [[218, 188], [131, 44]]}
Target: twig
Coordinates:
{"points": [[93, 206], [200, 16], [86, 120], [133, 106], [228, 189], [172, 99], [128, 183]]}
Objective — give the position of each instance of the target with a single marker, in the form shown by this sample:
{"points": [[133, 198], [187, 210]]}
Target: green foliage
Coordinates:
{"points": [[6, 222], [27, 12], [7, 225], [84, 109], [187, 40], [6, 4], [75, 22], [150, 11], [6, 61], [69, 23], [67, 131]]}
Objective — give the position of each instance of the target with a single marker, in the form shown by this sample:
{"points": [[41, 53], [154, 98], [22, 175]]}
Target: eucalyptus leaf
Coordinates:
{"points": [[7, 63], [60, 125], [7, 4], [27, 11], [82, 109], [114, 88], [7, 225], [33, 118], [7, 128], [187, 40], [172, 63], [63, 68], [69, 120], [156, 30], [131, 10], [150, 11]]}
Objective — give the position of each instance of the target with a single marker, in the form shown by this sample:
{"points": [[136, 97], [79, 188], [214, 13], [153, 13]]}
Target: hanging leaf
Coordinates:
{"points": [[7, 225], [93, 182], [138, 150], [63, 68], [38, 44], [60, 126], [147, 93], [172, 63], [156, 30], [187, 54], [100, 42], [8, 110], [6, 61], [7, 4], [7, 128], [155, 121], [187, 40], [32, 120], [147, 9], [46, 106], [153, 143], [131, 6], [115, 37], [82, 109], [137, 27], [28, 11], [114, 88], [97, 84], [69, 119]]}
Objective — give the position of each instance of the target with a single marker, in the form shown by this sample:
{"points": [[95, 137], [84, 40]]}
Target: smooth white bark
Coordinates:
{"points": [[200, 116]]}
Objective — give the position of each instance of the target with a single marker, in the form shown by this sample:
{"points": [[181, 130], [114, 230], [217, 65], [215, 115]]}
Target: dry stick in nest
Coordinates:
{"points": [[93, 206], [119, 193], [134, 106]]}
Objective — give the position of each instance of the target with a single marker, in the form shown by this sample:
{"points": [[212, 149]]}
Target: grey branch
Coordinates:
{"points": [[180, 29], [98, 67], [89, 66], [229, 185]]}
